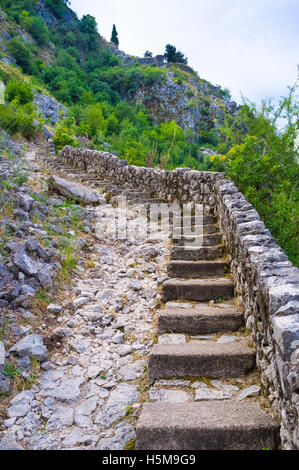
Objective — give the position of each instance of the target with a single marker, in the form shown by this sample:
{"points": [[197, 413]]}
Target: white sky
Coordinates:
{"points": [[248, 46]]}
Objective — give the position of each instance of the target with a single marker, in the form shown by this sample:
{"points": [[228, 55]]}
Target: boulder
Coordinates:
{"points": [[32, 346], [24, 262], [76, 191], [8, 442], [4, 383], [5, 277]]}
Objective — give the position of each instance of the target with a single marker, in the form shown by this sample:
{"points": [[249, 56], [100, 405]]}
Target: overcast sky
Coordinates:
{"points": [[248, 46]]}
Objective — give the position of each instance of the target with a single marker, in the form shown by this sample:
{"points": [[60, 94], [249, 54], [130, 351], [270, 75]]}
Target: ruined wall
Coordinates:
{"points": [[267, 284]]}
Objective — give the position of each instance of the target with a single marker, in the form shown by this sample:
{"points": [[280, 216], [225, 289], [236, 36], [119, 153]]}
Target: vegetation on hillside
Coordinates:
{"points": [[174, 56], [92, 82], [263, 161], [114, 36], [80, 71]]}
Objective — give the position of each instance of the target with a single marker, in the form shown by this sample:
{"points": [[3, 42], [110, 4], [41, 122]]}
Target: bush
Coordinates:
{"points": [[263, 162], [22, 54], [17, 120], [57, 6], [94, 119], [63, 138], [19, 90], [39, 31]]}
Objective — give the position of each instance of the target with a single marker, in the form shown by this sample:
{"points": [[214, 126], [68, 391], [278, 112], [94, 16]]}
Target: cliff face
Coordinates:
{"points": [[186, 99]]}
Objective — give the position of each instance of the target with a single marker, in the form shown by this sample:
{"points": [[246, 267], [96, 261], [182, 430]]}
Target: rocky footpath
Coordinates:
{"points": [[76, 318]]}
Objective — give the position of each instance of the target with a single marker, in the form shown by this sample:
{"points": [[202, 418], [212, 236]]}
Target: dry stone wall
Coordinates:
{"points": [[267, 284], [182, 184]]}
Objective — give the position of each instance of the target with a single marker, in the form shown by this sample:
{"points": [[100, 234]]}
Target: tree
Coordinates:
{"points": [[57, 6], [39, 31], [114, 36], [174, 56], [88, 28], [148, 54]]}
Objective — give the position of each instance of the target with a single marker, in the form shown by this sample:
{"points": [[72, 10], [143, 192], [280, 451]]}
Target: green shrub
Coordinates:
{"points": [[25, 20], [21, 178], [39, 31], [22, 53], [263, 162], [94, 119], [57, 6], [19, 90], [62, 137], [17, 120]]}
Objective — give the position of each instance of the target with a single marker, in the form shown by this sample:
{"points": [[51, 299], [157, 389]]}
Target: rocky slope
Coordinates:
{"points": [[185, 98], [75, 334]]}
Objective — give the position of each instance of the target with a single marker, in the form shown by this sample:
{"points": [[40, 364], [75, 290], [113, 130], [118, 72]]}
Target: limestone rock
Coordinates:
{"points": [[54, 309], [172, 396], [203, 394], [32, 346], [172, 339], [24, 262], [9, 442], [74, 190], [249, 392], [69, 391]]}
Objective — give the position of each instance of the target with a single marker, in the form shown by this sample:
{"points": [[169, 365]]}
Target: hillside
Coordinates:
{"points": [[119, 328], [134, 107], [65, 80]]}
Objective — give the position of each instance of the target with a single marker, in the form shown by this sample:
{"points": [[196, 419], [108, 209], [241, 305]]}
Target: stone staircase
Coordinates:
{"points": [[133, 196], [203, 361]]}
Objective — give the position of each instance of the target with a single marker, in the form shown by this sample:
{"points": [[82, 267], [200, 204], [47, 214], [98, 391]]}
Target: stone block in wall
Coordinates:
{"points": [[286, 335], [289, 309], [282, 294]]}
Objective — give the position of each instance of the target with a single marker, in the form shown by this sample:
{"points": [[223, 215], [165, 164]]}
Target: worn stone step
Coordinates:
{"points": [[109, 187], [94, 180], [75, 172], [119, 190], [206, 229], [199, 290], [205, 253], [88, 177], [198, 240], [181, 220], [197, 269], [147, 203], [70, 169], [90, 181], [200, 320], [64, 168], [131, 195], [222, 425], [201, 359]]}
